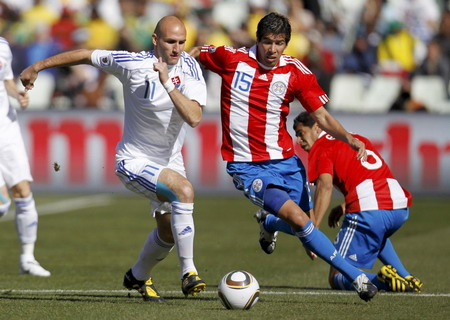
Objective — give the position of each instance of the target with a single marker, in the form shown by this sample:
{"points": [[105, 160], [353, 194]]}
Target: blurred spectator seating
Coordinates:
{"points": [[431, 92], [360, 93], [346, 93]]}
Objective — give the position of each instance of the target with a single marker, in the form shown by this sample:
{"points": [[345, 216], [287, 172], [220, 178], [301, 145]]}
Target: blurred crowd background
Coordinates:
{"points": [[368, 55]]}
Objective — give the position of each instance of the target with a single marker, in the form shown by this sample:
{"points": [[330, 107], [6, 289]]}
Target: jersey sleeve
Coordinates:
{"points": [[194, 86], [195, 89], [308, 92], [214, 58], [109, 61]]}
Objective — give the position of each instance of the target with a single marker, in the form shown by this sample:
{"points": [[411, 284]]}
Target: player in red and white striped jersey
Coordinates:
{"points": [[375, 207], [258, 85]]}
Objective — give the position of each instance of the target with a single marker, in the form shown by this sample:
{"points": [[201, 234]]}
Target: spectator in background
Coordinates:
{"points": [[396, 51], [63, 30], [435, 64], [362, 59], [100, 33]]}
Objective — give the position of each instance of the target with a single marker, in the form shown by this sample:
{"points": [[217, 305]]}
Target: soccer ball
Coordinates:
{"points": [[238, 290]]}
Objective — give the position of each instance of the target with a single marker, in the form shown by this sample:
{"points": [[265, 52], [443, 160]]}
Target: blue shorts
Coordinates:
{"points": [[289, 174], [363, 234]]}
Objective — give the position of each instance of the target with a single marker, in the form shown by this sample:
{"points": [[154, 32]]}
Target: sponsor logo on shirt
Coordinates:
{"points": [[353, 257], [263, 77], [278, 88]]}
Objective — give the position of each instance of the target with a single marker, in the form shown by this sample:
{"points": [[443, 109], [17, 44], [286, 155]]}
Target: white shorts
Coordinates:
{"points": [[14, 165], [141, 175]]}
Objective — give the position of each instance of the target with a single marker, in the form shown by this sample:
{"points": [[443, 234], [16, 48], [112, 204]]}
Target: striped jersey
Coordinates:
{"points": [[366, 185], [255, 101], [153, 128]]}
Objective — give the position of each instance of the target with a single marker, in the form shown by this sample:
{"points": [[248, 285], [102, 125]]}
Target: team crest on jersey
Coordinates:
{"points": [[278, 88], [176, 81], [257, 185], [105, 61], [212, 49], [329, 137]]}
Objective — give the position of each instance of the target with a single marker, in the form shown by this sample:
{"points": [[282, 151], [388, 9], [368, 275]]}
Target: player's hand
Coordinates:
{"points": [[335, 215], [161, 67], [23, 99], [359, 146], [194, 52], [310, 254], [28, 77]]}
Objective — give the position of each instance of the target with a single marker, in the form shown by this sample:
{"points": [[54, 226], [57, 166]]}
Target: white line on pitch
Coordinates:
{"points": [[304, 293], [71, 204]]}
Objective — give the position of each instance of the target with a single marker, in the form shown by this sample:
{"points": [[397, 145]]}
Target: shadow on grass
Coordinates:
{"points": [[77, 297]]}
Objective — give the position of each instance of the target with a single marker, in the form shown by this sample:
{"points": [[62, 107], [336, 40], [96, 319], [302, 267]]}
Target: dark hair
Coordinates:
{"points": [[274, 23], [305, 119]]}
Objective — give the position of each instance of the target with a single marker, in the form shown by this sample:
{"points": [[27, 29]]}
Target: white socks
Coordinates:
{"points": [[26, 219], [153, 252], [156, 249], [183, 233]]}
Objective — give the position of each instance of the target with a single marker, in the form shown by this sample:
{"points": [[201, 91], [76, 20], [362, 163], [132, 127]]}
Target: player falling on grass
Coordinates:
{"points": [[375, 207], [258, 84], [15, 172], [163, 90]]}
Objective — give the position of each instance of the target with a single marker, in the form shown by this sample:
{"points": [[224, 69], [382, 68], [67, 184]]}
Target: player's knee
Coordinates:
{"points": [[186, 192], [274, 199], [4, 207]]}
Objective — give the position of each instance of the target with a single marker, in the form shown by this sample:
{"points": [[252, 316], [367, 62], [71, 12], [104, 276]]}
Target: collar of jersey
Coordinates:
{"points": [[252, 54]]}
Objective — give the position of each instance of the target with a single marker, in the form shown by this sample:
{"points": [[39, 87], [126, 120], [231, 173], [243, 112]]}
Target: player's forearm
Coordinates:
{"points": [[330, 125], [322, 199], [69, 58], [189, 110]]}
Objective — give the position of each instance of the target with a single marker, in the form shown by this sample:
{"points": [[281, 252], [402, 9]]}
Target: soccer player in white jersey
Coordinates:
{"points": [[164, 90], [258, 84], [375, 207], [15, 172]]}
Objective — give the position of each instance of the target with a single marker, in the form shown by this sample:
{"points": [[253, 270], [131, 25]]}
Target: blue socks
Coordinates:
{"points": [[388, 255], [273, 223], [315, 241]]}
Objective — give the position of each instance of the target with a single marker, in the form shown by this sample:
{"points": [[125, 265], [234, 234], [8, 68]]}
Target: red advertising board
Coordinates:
{"points": [[417, 147]]}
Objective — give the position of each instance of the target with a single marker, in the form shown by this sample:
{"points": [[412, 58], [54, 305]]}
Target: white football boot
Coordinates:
{"points": [[364, 287], [32, 267]]}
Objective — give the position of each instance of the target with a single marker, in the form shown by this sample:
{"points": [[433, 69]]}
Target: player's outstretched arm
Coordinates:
{"points": [[329, 124], [69, 58]]}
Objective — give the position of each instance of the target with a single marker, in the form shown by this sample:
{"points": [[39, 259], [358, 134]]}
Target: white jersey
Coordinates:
{"points": [[7, 113], [153, 128], [14, 165]]}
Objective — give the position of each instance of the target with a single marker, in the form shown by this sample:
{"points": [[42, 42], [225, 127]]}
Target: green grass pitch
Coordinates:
{"points": [[90, 241]]}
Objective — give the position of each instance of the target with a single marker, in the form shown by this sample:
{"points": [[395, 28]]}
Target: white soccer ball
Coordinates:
{"points": [[238, 290]]}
